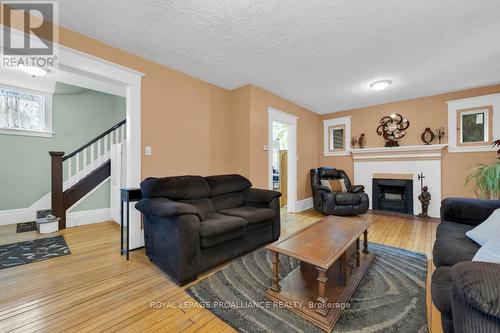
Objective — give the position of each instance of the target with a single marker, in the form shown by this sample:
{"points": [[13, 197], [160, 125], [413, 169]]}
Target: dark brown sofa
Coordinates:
{"points": [[193, 223], [467, 293]]}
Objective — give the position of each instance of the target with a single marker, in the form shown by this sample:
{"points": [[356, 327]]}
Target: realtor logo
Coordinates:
{"points": [[29, 33]]}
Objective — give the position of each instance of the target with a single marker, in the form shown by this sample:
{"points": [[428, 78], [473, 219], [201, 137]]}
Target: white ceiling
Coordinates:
{"points": [[321, 54]]}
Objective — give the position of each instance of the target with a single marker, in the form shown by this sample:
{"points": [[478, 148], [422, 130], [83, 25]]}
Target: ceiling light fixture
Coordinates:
{"points": [[34, 70], [380, 85]]}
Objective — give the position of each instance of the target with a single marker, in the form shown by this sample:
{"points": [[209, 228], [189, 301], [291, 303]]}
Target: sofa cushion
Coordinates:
{"points": [[347, 199], [219, 228], [452, 245], [229, 200], [203, 205], [250, 214], [175, 188], [441, 290], [227, 184]]}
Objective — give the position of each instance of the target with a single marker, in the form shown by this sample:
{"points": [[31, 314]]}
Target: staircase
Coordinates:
{"points": [[76, 174]]}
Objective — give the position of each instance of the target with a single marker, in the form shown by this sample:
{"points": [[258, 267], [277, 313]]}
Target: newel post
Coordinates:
{"points": [[57, 187]]}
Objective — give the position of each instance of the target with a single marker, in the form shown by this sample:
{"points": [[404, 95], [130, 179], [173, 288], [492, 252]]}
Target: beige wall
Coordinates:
{"points": [[308, 140], [249, 119], [422, 112]]}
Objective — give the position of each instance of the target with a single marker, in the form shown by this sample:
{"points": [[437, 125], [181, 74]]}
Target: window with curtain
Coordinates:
{"points": [[23, 111]]}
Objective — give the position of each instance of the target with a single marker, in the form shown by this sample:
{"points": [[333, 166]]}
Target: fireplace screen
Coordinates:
{"points": [[394, 195]]}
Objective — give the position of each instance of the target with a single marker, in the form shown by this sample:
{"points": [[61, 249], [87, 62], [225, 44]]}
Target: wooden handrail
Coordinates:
{"points": [[91, 142]]}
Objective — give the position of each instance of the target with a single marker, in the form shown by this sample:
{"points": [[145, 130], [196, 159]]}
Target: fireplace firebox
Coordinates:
{"points": [[394, 195]]}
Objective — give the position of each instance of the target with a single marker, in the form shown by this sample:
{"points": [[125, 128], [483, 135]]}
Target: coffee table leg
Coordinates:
{"points": [[365, 241], [358, 253], [276, 278], [322, 299]]}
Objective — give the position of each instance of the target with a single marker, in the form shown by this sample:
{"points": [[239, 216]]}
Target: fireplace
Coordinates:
{"points": [[394, 195]]}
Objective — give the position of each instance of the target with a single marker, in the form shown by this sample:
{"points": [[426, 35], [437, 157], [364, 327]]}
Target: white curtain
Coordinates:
{"points": [[21, 111]]}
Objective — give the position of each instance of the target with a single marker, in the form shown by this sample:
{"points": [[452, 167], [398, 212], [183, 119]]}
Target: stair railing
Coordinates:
{"points": [[68, 170]]}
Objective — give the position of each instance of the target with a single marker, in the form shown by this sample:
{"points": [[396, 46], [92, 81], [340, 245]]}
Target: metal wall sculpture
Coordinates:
{"points": [[393, 128]]}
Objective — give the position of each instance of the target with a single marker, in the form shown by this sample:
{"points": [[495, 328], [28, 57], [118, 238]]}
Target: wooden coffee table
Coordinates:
{"points": [[331, 266]]}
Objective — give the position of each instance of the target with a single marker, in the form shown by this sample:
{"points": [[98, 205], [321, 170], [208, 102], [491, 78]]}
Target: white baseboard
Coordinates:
{"points": [[304, 204], [74, 219], [13, 216]]}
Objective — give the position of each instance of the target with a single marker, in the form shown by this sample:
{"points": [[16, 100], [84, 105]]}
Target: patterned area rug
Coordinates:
{"points": [[390, 298], [36, 250], [25, 227]]}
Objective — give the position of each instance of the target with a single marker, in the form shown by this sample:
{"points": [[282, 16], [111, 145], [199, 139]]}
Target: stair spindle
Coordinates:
{"points": [[68, 169]]}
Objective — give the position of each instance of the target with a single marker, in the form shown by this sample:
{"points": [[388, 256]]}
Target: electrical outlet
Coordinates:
{"points": [[148, 151], [266, 148]]}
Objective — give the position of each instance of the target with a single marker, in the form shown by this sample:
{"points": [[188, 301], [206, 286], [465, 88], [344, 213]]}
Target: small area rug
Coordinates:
{"points": [[390, 298], [31, 251]]}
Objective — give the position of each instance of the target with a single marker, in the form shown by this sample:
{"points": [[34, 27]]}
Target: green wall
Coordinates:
{"points": [[25, 160]]}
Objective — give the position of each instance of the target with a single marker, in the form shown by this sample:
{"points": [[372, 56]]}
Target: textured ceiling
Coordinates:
{"points": [[321, 54]]}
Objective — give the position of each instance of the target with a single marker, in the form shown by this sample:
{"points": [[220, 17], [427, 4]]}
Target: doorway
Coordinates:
{"points": [[282, 157], [280, 160]]}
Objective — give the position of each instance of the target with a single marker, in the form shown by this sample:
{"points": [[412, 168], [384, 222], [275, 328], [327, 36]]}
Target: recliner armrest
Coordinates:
{"points": [[356, 189], [163, 207], [467, 211], [259, 196], [478, 284]]}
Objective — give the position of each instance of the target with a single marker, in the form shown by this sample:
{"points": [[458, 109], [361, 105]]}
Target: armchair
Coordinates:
{"points": [[353, 202]]}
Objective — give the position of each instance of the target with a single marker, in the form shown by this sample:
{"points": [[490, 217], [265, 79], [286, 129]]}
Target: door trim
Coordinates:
{"points": [[291, 121]]}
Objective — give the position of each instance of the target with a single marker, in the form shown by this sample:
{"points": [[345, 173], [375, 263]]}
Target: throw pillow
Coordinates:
{"points": [[338, 185], [486, 230], [489, 252], [326, 183]]}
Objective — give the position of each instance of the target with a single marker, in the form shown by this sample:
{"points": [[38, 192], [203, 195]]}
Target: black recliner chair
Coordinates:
{"points": [[353, 202]]}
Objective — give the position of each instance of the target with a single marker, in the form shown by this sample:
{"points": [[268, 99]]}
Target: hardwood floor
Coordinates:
{"points": [[97, 290]]}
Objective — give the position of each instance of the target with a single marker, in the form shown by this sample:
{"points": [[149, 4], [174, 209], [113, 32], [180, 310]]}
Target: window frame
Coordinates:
{"points": [[48, 98], [487, 111], [331, 138], [329, 126]]}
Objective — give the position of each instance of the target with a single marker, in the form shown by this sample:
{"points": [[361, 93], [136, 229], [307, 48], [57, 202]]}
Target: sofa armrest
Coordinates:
{"points": [[165, 208], [356, 189], [258, 196], [478, 285], [467, 211], [321, 188]]}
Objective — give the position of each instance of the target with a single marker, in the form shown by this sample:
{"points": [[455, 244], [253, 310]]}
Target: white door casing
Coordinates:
{"points": [[291, 121]]}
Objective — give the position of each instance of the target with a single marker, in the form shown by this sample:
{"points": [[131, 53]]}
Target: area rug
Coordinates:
{"points": [[25, 227], [31, 251], [390, 298]]}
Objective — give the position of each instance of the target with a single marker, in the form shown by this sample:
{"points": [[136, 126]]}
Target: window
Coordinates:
{"points": [[473, 122], [337, 132], [25, 112], [474, 126], [336, 138]]}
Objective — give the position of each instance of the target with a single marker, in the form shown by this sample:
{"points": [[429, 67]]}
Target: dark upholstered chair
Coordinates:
{"points": [[353, 202], [467, 293], [193, 223]]}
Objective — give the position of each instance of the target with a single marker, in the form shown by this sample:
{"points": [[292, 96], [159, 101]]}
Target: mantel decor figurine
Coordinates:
{"points": [[393, 128], [362, 141], [440, 132], [427, 136]]}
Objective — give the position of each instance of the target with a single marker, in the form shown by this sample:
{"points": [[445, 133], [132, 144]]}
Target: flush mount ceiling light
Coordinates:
{"points": [[34, 71], [380, 85]]}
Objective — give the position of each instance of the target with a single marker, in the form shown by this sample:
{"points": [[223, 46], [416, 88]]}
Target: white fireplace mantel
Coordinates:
{"points": [[404, 161], [410, 152]]}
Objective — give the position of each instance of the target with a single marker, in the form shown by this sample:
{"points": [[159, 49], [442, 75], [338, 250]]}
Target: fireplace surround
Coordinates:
{"points": [[395, 195]]}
